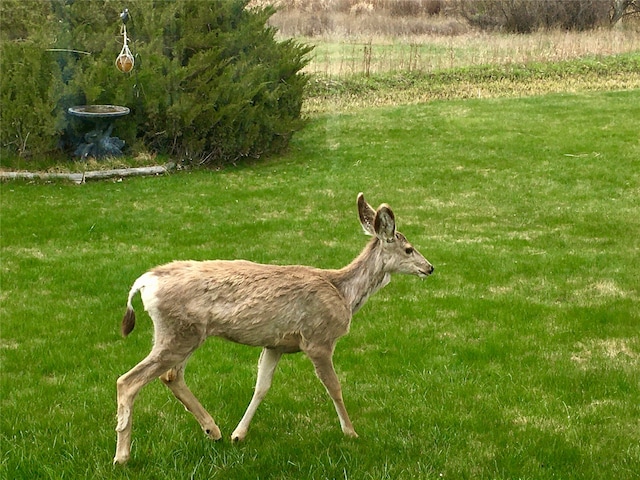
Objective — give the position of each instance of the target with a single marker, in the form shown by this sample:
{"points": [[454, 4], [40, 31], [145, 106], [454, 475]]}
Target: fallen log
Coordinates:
{"points": [[83, 177]]}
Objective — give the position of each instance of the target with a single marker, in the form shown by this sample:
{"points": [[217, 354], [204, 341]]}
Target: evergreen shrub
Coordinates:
{"points": [[210, 85], [29, 85]]}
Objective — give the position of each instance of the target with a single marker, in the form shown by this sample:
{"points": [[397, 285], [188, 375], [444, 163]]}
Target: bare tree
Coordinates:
{"points": [[622, 8]]}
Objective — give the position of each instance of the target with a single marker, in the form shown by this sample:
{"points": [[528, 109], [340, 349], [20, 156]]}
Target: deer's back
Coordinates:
{"points": [[250, 303]]}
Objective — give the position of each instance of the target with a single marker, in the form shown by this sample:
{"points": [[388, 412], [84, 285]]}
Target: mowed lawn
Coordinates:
{"points": [[518, 358]]}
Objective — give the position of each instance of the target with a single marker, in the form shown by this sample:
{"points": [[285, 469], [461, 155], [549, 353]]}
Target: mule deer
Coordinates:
{"points": [[283, 309]]}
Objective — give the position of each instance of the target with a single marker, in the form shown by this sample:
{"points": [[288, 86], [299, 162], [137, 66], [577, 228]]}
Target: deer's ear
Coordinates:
{"points": [[384, 223], [367, 215]]}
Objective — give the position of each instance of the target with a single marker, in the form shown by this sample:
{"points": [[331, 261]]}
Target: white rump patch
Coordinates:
{"points": [[147, 284]]}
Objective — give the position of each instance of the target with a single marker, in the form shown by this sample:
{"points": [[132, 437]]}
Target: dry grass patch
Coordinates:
{"points": [[619, 353], [338, 56], [573, 76]]}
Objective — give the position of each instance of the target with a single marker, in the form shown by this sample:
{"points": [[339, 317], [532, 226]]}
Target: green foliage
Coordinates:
{"points": [[29, 86], [210, 83], [231, 91], [20, 20]]}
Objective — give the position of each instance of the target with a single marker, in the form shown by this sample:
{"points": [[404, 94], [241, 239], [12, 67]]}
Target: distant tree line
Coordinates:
{"points": [[516, 16], [525, 16]]}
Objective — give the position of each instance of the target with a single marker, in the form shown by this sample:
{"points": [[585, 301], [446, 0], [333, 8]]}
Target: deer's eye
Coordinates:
{"points": [[408, 250]]}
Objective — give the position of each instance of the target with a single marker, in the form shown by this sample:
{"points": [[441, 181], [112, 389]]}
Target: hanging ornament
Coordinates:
{"points": [[125, 60]]}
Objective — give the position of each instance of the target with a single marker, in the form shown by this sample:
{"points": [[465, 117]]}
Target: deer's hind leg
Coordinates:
{"points": [[129, 385], [171, 349], [174, 379]]}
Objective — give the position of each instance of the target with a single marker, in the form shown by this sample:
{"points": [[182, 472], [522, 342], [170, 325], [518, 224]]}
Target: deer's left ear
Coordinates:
{"points": [[385, 223], [367, 215]]}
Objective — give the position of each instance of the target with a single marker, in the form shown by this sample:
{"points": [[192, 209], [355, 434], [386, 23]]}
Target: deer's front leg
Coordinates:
{"points": [[323, 363], [267, 364]]}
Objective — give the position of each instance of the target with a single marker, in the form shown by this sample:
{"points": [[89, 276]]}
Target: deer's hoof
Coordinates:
{"points": [[351, 433], [120, 459], [213, 433]]}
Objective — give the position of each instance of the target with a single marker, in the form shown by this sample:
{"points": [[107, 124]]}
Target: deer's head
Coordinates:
{"points": [[398, 255]]}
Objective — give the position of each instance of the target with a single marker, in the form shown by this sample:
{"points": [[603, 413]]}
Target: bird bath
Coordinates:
{"points": [[98, 142]]}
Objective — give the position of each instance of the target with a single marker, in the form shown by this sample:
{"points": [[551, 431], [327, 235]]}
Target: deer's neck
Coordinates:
{"points": [[362, 277]]}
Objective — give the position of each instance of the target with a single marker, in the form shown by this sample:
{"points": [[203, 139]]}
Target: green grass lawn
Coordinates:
{"points": [[518, 358]]}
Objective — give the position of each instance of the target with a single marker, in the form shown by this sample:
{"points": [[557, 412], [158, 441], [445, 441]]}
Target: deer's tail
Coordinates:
{"points": [[129, 319]]}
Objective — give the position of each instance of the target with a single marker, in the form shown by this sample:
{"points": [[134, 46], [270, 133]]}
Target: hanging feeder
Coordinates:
{"points": [[125, 61]]}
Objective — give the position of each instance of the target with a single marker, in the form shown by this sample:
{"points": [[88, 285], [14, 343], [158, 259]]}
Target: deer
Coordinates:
{"points": [[283, 309]]}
